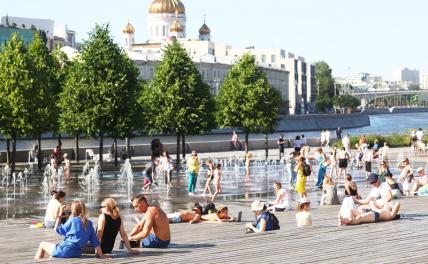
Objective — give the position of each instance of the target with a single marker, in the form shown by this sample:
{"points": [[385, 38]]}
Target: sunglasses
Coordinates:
{"points": [[101, 207]]}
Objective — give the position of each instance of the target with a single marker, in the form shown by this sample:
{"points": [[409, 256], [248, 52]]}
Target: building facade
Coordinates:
{"points": [[423, 78], [406, 75], [289, 74], [56, 34]]}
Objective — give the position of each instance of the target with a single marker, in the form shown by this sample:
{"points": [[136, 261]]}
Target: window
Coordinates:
{"points": [[263, 58], [273, 58], [163, 30]]}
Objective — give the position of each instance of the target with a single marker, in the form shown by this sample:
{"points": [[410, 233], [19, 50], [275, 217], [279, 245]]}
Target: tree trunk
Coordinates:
{"points": [[183, 141], [39, 153], [101, 150], [13, 153], [128, 147], [178, 151], [59, 140], [115, 151], [76, 140], [8, 152], [267, 146], [246, 142]]}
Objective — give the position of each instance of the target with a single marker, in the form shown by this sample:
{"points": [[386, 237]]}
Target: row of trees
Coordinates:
{"points": [[99, 95]]}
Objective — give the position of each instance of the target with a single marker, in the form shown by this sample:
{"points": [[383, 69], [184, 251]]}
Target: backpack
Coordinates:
{"points": [[209, 208], [274, 222], [306, 170]]}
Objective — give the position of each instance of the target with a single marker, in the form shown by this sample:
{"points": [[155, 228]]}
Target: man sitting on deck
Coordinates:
{"points": [[153, 229], [380, 193]]}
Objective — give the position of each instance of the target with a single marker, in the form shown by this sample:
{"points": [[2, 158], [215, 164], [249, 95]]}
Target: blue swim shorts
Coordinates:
{"points": [[153, 241]]}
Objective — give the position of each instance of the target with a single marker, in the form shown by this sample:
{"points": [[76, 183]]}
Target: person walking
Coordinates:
{"points": [[166, 165], [281, 146], [339, 133], [344, 158], [192, 172], [210, 177], [301, 178], [217, 181], [323, 162]]}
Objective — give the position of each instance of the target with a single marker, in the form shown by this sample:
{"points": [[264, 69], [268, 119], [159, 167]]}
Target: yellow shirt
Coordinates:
{"points": [[193, 165]]}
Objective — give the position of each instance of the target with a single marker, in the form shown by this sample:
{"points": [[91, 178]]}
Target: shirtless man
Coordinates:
{"points": [[153, 230], [186, 216]]}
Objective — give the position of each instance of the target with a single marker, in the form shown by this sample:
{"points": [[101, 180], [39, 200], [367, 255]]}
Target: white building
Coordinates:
{"points": [[291, 75], [404, 75], [56, 34], [423, 80]]}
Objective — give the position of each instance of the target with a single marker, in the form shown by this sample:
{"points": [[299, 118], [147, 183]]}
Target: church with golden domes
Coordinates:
{"points": [[166, 20]]}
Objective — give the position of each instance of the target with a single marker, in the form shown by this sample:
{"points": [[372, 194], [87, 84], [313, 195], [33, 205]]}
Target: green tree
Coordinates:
{"points": [[347, 102], [105, 82], [246, 100], [16, 92], [43, 104], [72, 105], [325, 85], [177, 99], [272, 107]]}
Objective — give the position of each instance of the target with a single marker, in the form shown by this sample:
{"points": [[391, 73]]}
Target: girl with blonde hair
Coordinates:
{"points": [[78, 230], [109, 224]]}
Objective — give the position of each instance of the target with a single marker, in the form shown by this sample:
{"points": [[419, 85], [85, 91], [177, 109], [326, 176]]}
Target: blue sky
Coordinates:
{"points": [[375, 36]]}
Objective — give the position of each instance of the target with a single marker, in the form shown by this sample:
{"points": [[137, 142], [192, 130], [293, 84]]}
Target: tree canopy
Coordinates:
{"points": [[246, 100], [325, 85]]}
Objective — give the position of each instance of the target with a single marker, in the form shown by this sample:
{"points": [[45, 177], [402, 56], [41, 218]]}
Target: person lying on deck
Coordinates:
{"points": [[186, 216], [350, 216], [222, 215]]}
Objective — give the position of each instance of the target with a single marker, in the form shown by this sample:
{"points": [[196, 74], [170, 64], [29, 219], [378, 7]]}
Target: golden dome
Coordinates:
{"points": [[166, 6], [129, 29], [204, 30], [176, 27]]}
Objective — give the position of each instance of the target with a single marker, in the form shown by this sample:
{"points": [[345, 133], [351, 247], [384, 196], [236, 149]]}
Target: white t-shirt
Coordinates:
{"points": [[284, 201], [165, 163], [379, 192], [304, 219], [345, 142], [420, 135], [52, 210]]}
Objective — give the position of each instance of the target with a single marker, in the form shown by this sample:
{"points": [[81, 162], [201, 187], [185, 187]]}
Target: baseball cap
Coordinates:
{"points": [[419, 169], [257, 206], [373, 177], [304, 200]]}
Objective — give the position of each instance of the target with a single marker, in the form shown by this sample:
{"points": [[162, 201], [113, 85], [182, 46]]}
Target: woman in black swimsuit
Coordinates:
{"points": [[351, 188], [110, 223]]}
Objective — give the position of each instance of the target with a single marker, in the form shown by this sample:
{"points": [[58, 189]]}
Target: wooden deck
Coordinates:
{"points": [[400, 241]]}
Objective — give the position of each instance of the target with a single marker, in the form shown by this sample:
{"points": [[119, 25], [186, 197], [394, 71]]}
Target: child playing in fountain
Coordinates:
{"points": [[217, 181], [247, 166], [54, 168], [53, 209], [66, 167]]}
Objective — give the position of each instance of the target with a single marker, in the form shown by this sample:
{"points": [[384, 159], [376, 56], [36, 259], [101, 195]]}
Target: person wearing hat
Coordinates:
{"points": [[192, 172], [380, 193], [265, 221], [303, 214], [421, 180]]}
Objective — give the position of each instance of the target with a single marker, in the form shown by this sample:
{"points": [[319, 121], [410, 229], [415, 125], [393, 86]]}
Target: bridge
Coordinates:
{"points": [[394, 98]]}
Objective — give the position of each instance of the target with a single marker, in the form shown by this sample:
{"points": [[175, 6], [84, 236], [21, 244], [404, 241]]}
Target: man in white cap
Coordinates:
{"points": [[421, 179], [265, 221]]}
